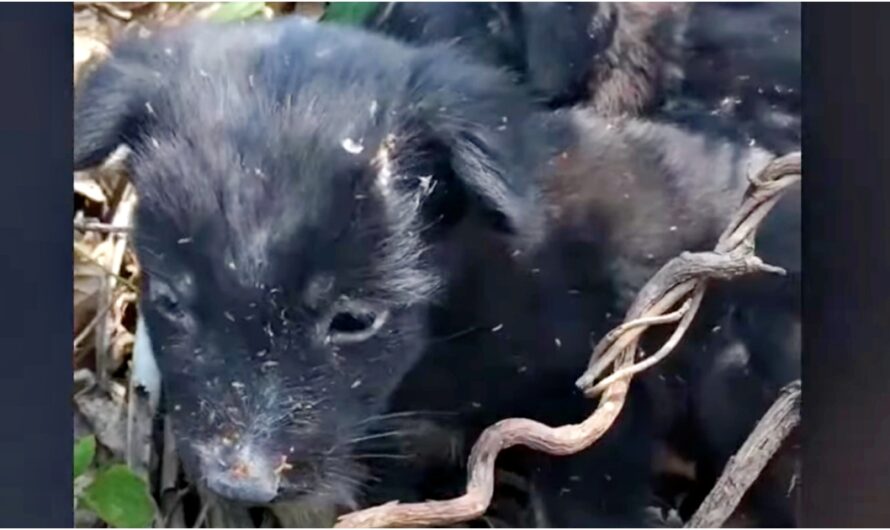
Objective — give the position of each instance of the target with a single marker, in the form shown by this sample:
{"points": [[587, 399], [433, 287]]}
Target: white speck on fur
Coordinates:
{"points": [[351, 146], [427, 185], [384, 173]]}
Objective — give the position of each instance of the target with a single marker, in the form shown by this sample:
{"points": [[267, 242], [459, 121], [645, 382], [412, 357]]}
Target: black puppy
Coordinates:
{"points": [[740, 66], [291, 178], [336, 229], [622, 197]]}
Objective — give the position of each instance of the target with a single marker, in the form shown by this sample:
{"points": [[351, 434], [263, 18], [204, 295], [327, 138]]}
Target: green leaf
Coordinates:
{"points": [[84, 452], [120, 498], [348, 12], [234, 11]]}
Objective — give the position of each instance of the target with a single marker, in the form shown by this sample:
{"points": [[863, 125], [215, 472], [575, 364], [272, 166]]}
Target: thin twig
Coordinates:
{"points": [[202, 515], [173, 517], [682, 280], [743, 469], [629, 371], [103, 228], [85, 332], [102, 336], [140, 413], [621, 330]]}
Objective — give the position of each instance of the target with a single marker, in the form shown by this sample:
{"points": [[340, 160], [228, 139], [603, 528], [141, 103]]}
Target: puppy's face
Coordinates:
{"points": [[285, 300], [286, 225]]}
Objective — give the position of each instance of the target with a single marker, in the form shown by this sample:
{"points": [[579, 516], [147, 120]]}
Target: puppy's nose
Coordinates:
{"points": [[241, 475]]}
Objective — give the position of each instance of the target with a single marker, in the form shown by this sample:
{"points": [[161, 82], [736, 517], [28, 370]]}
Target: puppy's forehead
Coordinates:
{"points": [[273, 152]]}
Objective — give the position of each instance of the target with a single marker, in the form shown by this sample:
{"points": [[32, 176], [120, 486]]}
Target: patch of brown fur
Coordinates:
{"points": [[642, 60]]}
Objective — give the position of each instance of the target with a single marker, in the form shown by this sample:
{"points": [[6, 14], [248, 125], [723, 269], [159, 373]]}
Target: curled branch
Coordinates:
{"points": [[681, 282]]}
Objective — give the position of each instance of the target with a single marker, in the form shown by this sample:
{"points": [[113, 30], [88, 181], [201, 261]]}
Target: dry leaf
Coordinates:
{"points": [[310, 10], [85, 185], [121, 349], [88, 51], [116, 9]]}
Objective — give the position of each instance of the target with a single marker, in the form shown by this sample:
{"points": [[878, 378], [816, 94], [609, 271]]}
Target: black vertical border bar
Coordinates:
{"points": [[846, 380], [36, 44]]}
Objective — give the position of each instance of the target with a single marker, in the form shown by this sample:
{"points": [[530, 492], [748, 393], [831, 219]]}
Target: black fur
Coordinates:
{"points": [[732, 68], [338, 231], [742, 73], [617, 57]]}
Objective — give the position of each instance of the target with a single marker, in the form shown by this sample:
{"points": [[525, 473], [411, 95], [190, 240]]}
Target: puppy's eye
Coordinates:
{"points": [[355, 322], [165, 301], [168, 305], [352, 322]]}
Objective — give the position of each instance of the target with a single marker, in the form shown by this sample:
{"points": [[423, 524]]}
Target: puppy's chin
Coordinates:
{"points": [[318, 509]]}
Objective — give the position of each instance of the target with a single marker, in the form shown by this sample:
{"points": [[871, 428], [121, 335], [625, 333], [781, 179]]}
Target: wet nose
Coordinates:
{"points": [[241, 475]]}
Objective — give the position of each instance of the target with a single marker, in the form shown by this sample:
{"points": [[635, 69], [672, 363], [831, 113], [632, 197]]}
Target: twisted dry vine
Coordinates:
{"points": [[682, 281]]}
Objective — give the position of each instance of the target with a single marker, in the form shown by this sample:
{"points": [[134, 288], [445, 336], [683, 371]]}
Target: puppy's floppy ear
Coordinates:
{"points": [[110, 105], [490, 134]]}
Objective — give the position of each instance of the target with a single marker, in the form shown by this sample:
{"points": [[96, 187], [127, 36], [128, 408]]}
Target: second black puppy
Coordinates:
{"points": [[717, 66], [617, 58]]}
